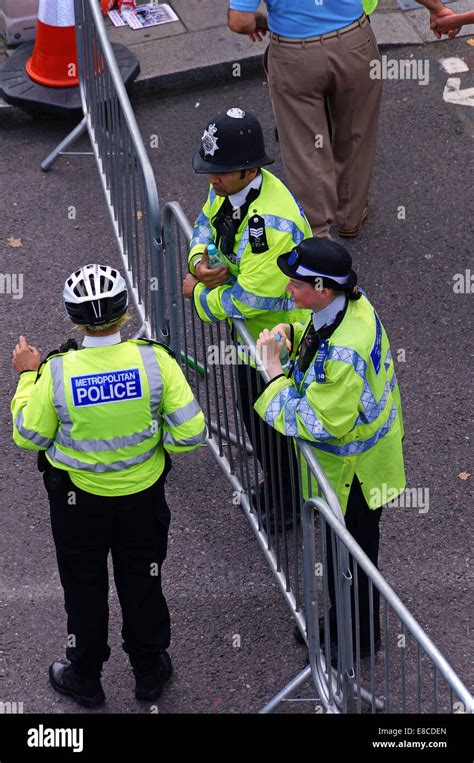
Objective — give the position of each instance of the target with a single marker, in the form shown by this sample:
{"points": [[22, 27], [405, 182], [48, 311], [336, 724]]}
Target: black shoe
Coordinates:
{"points": [[87, 692], [365, 651], [149, 685], [284, 526], [257, 496], [334, 651]]}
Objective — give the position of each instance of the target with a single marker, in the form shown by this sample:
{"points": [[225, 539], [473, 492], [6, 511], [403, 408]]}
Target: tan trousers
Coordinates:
{"points": [[331, 181]]}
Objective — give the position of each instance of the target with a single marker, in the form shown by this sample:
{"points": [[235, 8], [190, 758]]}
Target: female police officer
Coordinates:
{"points": [[106, 417], [341, 395]]}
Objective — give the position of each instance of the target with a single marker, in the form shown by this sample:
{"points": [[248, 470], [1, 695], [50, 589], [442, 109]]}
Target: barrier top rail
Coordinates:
{"points": [[122, 95], [107, 107]]}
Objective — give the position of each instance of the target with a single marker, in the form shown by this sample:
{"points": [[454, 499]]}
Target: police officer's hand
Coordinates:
{"points": [[211, 277], [283, 329], [188, 285], [270, 349], [25, 357]]}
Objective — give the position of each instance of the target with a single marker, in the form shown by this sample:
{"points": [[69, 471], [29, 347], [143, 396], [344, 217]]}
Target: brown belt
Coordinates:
{"points": [[303, 40]]}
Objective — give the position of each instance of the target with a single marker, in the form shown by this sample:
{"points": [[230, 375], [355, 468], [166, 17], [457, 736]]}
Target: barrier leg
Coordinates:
{"points": [[287, 691], [79, 130]]}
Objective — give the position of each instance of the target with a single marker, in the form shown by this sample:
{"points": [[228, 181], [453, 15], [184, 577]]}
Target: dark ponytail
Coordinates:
{"points": [[353, 293]]}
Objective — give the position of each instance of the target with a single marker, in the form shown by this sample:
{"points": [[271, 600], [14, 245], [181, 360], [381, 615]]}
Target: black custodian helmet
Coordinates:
{"points": [[230, 142], [320, 258]]}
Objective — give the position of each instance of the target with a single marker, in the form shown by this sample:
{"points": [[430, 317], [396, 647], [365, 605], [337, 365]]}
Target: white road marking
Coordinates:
{"points": [[454, 65], [454, 94]]}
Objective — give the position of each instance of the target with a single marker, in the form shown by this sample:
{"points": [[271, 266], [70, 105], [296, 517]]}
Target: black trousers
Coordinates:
{"points": [[135, 529], [269, 444], [363, 524]]}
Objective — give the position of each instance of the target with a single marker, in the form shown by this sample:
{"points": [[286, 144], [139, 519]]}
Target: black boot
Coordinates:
{"points": [[87, 692], [150, 684], [257, 496]]}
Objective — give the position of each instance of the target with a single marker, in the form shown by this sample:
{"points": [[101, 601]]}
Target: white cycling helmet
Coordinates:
{"points": [[95, 294]]}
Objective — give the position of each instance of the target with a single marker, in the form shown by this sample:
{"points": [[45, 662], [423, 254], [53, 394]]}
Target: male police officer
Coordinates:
{"points": [[341, 395], [252, 218], [107, 416]]}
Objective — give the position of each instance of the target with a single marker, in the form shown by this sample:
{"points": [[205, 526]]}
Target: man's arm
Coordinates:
{"points": [[248, 22], [437, 11], [431, 5], [260, 284], [35, 422], [202, 235], [446, 24]]}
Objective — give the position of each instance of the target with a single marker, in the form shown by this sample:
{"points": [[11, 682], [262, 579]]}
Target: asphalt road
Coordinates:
{"points": [[215, 578]]}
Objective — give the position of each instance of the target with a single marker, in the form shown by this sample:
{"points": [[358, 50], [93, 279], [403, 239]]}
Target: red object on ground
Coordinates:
{"points": [[106, 6]]}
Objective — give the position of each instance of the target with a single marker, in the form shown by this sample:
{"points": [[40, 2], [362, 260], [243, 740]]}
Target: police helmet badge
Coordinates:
{"points": [[236, 113], [257, 234], [209, 142]]}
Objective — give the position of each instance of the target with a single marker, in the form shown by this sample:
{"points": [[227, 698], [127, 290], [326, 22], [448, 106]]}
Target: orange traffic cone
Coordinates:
{"points": [[54, 59], [44, 75]]}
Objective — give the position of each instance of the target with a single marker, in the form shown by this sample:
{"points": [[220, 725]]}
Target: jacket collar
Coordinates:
{"points": [[238, 199], [102, 341]]}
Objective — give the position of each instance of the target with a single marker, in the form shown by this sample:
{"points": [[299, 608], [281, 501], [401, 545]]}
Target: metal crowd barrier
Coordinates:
{"points": [[124, 167], [298, 558], [409, 674]]}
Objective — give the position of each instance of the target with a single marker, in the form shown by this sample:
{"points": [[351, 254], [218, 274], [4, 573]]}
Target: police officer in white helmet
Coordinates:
{"points": [[104, 419]]}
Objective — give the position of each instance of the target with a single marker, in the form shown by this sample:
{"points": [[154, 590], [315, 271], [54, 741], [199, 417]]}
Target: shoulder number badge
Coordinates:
{"points": [[257, 234]]}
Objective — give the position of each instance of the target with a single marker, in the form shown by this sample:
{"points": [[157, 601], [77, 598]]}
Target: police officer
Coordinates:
{"points": [[341, 395], [252, 218], [106, 417]]}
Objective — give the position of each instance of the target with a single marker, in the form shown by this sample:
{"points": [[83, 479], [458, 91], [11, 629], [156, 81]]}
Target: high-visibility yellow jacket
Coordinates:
{"points": [[256, 289], [369, 6], [346, 405], [104, 414]]}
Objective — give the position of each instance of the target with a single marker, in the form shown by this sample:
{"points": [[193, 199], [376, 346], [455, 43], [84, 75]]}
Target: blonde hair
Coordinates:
{"points": [[117, 323]]}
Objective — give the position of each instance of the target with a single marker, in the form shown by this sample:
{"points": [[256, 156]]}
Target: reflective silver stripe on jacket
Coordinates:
{"points": [[29, 434], [184, 414], [155, 381], [74, 463], [168, 439], [56, 367], [63, 437], [100, 446]]}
